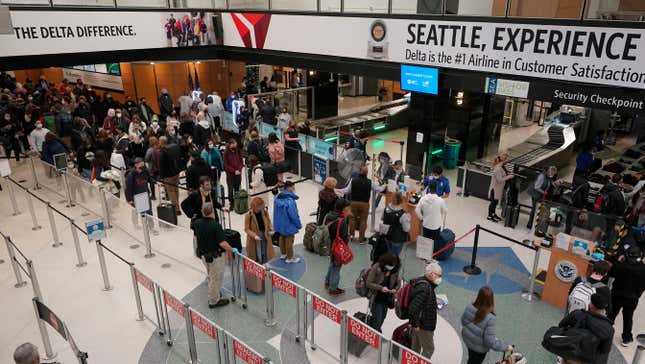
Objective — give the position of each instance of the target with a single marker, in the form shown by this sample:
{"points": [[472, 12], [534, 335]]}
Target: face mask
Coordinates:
{"points": [[8, 118], [118, 115], [39, 126], [437, 281], [190, 140], [30, 98], [389, 267], [210, 145], [27, 117]]}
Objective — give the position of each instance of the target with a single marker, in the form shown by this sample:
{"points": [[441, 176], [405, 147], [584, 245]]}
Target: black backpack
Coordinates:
{"points": [[392, 218], [572, 343], [270, 173]]}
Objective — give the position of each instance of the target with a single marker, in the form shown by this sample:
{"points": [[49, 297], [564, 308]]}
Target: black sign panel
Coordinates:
{"points": [[50, 317], [608, 98]]}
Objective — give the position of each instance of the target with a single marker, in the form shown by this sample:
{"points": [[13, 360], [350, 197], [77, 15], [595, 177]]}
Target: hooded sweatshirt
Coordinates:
{"points": [[286, 220]]}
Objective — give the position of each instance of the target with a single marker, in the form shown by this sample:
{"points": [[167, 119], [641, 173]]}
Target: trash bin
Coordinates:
{"points": [[451, 153]]}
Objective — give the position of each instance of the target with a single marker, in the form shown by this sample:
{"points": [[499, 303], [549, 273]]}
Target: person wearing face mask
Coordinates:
{"points": [[155, 129], [109, 122], [137, 181], [213, 157], [540, 189], [145, 110], [120, 119], [422, 309], [202, 131], [37, 137], [9, 137], [382, 282], [342, 209], [233, 165], [287, 221]]}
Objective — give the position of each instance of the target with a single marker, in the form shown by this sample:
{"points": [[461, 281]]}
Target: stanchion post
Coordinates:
{"points": [[77, 245], [313, 324], [33, 172], [299, 162], [32, 212], [104, 272], [190, 335], [268, 288], [373, 206], [104, 207], [640, 348], [473, 269], [379, 360], [52, 224], [20, 282], [298, 323], [137, 293], [530, 296], [68, 193], [233, 279], [12, 196], [402, 144], [41, 325], [343, 337], [146, 236], [161, 323]]}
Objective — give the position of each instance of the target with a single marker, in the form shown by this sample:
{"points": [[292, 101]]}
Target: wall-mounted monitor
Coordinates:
{"points": [[420, 79]]}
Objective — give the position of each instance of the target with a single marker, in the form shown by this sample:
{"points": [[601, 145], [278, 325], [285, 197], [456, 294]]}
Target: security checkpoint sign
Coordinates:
{"points": [[326, 309], [412, 358], [283, 285], [95, 230], [174, 303], [203, 324], [253, 269], [143, 279], [245, 353], [362, 332]]}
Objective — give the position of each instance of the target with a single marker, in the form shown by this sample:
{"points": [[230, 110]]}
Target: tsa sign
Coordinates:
{"points": [[95, 230]]}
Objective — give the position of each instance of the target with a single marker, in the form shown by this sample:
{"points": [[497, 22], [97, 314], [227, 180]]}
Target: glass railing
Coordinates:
{"points": [[559, 9]]}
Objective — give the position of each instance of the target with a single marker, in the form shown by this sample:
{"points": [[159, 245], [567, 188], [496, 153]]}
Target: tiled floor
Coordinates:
{"points": [[104, 324]]}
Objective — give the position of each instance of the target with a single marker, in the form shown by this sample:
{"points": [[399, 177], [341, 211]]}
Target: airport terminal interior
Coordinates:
{"points": [[507, 137]]}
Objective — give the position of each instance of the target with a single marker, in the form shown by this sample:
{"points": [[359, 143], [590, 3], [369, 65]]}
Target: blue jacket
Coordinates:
{"points": [[286, 220], [213, 158]]}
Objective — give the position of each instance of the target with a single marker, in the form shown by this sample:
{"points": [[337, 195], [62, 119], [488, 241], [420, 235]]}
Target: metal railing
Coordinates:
{"points": [[315, 7]]}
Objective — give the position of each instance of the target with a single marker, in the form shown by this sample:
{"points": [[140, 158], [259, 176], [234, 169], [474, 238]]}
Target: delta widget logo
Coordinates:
{"points": [[252, 27]]}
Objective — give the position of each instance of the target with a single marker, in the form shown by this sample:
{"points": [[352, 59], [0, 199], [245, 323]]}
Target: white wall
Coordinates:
{"points": [[475, 7]]}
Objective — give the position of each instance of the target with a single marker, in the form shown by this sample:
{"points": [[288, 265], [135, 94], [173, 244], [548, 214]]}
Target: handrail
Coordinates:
{"points": [[115, 254], [508, 238]]}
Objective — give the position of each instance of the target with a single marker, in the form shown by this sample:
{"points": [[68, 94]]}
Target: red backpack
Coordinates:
{"points": [[404, 297], [341, 252]]}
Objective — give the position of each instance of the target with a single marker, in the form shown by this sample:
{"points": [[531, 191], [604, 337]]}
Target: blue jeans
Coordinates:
{"points": [[394, 248], [534, 202], [333, 275], [379, 312]]}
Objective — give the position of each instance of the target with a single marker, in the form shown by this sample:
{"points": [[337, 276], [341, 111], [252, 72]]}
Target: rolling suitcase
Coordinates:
{"points": [[253, 283], [166, 212], [511, 215], [233, 237], [355, 345], [402, 335], [446, 236]]}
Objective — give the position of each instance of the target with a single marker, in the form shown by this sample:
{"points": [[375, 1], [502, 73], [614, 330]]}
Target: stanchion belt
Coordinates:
{"points": [[375, 138], [453, 242]]}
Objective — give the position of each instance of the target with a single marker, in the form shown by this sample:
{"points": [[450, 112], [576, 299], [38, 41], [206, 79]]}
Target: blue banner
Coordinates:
{"points": [[320, 169], [266, 129], [320, 148]]}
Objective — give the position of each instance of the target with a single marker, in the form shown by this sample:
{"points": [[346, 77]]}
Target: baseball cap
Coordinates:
{"points": [[600, 301]]}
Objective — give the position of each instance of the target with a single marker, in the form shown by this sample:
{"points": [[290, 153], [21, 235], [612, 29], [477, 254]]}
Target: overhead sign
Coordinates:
{"points": [[512, 88], [97, 79], [56, 32], [580, 53], [95, 230], [420, 79], [609, 98]]}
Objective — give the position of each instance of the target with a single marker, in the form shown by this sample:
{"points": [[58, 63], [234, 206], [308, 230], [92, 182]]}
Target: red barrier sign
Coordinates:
{"points": [[243, 352], [254, 269], [141, 278], [174, 303], [283, 285], [362, 332], [203, 325], [326, 309], [412, 358]]}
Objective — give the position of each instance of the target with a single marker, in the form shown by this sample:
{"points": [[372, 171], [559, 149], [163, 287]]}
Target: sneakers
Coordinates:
{"points": [[362, 242], [283, 256], [293, 260], [491, 218], [336, 292], [625, 343], [220, 303], [494, 218]]}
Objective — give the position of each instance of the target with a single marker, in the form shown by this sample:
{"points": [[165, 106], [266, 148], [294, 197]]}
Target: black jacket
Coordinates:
{"points": [[423, 307], [197, 169], [361, 188], [135, 183], [209, 236], [630, 279], [169, 161], [616, 203], [599, 325], [201, 135], [165, 105], [192, 204]]}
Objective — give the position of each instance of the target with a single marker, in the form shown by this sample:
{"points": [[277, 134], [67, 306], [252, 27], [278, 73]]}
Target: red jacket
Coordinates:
{"points": [[233, 162]]}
